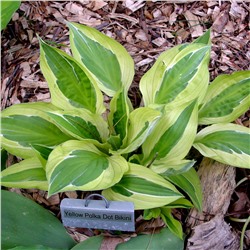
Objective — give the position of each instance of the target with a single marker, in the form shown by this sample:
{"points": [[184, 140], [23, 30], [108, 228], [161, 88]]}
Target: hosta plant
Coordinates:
{"points": [[138, 154]]}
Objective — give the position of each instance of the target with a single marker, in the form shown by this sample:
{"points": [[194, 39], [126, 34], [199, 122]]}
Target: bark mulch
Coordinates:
{"points": [[145, 28]]}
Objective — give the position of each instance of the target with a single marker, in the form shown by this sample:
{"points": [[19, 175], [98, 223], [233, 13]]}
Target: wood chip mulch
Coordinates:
{"points": [[145, 28]]}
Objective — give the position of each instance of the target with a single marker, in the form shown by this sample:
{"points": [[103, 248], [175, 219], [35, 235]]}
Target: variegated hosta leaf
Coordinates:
{"points": [[151, 80], [189, 182], [180, 203], [168, 167], [144, 188], [173, 135], [149, 214], [42, 153], [182, 79], [26, 124], [118, 116], [226, 143], [70, 86], [114, 142], [29, 173], [81, 124], [227, 97], [205, 38], [107, 60], [79, 165], [141, 122], [174, 225], [179, 75]]}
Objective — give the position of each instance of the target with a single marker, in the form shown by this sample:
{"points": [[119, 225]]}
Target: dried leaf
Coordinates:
{"points": [[59, 17], [144, 62], [237, 11], [123, 16], [99, 4], [26, 69], [81, 19], [194, 24], [172, 18], [54, 199], [74, 8], [141, 35], [71, 194], [241, 204], [159, 41], [157, 13], [220, 22], [134, 5]]}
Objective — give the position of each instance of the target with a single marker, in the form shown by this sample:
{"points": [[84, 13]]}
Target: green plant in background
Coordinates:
{"points": [[27, 224], [8, 8], [135, 154]]}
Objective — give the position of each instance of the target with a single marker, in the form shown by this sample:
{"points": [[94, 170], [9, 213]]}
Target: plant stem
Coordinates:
{"points": [[243, 233], [242, 180]]}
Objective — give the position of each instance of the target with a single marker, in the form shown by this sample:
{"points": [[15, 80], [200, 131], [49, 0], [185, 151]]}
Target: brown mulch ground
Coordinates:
{"points": [[145, 28]]}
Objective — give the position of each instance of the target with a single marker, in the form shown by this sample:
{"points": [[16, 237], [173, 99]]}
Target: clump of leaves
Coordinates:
{"points": [[136, 154]]}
